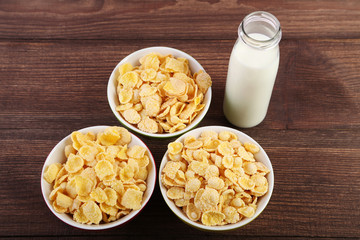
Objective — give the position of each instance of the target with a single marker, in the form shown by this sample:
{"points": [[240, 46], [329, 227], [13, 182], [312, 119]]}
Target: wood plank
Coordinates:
{"points": [[225, 236], [316, 188], [184, 19], [322, 85], [55, 83]]}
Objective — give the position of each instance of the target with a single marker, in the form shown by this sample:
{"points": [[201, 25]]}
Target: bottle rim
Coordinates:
{"points": [[256, 43]]}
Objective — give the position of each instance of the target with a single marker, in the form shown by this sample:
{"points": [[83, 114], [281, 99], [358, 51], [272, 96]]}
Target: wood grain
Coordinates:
{"points": [[56, 58], [309, 188], [50, 88], [183, 19], [317, 85]]}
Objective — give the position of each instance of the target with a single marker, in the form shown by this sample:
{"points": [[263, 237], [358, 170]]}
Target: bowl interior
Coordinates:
{"points": [[261, 156], [57, 155], [134, 60]]}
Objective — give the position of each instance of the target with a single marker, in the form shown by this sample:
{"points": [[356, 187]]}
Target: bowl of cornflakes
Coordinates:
{"points": [[159, 92], [216, 178], [98, 177]]}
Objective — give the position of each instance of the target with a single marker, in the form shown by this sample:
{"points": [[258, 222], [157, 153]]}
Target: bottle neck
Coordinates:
{"points": [[260, 30]]}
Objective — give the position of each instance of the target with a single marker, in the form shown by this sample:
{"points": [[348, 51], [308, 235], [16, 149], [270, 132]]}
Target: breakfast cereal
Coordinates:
{"points": [[102, 179], [161, 95], [216, 179]]}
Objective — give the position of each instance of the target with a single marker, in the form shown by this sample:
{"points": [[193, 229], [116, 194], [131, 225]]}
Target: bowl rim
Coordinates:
{"points": [[143, 51], [227, 227], [123, 220]]}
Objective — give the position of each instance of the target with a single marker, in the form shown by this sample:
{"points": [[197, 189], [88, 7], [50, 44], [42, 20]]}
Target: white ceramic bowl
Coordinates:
{"points": [[133, 58], [57, 155], [262, 201]]}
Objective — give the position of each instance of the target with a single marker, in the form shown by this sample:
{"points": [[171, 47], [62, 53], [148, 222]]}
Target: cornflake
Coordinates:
{"points": [[214, 179], [102, 179], [161, 95]]}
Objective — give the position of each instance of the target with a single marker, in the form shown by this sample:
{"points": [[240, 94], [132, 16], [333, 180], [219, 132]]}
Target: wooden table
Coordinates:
{"points": [[55, 61]]}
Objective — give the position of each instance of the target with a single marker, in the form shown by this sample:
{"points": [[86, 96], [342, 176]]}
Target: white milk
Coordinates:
{"points": [[250, 80]]}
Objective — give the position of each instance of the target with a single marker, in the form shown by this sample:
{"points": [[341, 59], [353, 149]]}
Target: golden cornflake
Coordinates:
{"points": [[180, 178], [124, 107], [192, 185], [80, 217], [146, 91], [228, 161], [181, 202], [129, 79], [104, 168], [51, 172], [74, 163], [225, 148], [127, 67], [142, 173], [175, 147], [88, 153], [188, 111], [244, 154], [92, 212], [211, 171], [231, 214], [262, 169], [136, 151], [111, 196], [175, 193], [259, 190], [150, 61], [143, 161], [58, 208], [212, 218], [71, 188], [83, 185], [148, 74], [237, 202], [148, 125], [203, 80], [174, 65], [132, 116], [247, 211], [250, 168], [209, 199], [125, 95], [199, 167], [251, 147], [211, 145], [108, 137], [171, 169], [126, 173], [246, 182], [259, 180], [201, 155], [63, 201], [118, 186], [69, 149], [192, 212], [230, 175], [99, 195], [110, 210], [216, 183], [132, 199]]}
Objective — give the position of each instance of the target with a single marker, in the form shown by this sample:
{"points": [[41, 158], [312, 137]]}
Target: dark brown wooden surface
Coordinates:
{"points": [[56, 57]]}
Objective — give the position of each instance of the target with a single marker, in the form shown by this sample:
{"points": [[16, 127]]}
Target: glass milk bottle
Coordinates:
{"points": [[253, 66]]}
